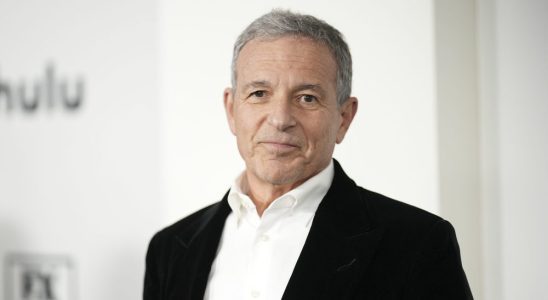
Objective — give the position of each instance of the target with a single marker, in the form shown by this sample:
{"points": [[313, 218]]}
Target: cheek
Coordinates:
{"points": [[246, 127], [320, 135], [330, 131]]}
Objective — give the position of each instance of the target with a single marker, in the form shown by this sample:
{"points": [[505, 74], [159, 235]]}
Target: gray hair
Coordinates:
{"points": [[279, 23]]}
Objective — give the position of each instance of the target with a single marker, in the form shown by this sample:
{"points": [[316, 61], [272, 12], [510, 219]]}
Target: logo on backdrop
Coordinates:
{"points": [[38, 277], [49, 92]]}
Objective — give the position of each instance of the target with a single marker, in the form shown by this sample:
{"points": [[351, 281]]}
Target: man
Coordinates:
{"points": [[293, 225]]}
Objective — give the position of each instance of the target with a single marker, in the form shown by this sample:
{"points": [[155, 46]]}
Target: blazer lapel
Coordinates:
{"points": [[340, 244], [192, 263]]}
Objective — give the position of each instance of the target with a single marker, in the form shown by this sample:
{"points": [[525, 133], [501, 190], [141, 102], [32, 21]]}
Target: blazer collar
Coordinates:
{"points": [[191, 265]]}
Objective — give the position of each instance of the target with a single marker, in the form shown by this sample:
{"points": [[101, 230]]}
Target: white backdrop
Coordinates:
{"points": [[515, 114], [82, 184]]}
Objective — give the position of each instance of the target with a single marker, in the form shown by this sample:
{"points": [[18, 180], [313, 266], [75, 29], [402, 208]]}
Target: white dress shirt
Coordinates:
{"points": [[257, 255]]}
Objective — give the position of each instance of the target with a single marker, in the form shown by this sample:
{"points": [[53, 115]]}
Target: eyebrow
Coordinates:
{"points": [[255, 84], [317, 88], [310, 86], [301, 87]]}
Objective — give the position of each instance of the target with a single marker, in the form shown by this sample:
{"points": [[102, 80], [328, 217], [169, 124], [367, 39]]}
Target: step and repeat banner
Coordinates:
{"points": [[79, 163]]}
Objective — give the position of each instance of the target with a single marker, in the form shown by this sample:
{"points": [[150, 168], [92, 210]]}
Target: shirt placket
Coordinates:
{"points": [[261, 261]]}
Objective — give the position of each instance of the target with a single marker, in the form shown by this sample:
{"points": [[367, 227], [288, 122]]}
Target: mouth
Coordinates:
{"points": [[279, 147]]}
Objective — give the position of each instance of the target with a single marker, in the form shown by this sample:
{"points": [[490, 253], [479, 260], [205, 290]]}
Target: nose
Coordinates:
{"points": [[280, 114]]}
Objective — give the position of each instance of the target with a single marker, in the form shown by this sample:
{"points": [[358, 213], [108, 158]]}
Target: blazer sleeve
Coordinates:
{"points": [[151, 287], [438, 272]]}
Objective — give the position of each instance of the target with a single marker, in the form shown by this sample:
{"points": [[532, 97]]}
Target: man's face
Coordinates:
{"points": [[284, 111]]}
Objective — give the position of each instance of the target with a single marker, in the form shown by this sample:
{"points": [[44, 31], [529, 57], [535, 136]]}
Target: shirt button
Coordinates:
{"points": [[255, 294], [264, 238]]}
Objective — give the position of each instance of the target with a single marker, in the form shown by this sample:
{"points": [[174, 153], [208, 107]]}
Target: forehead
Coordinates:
{"points": [[298, 56]]}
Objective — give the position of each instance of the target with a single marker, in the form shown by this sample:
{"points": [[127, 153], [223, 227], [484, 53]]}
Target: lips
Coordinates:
{"points": [[279, 146]]}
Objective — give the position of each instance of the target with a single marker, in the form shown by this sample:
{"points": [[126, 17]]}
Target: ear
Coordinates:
{"points": [[348, 110], [228, 96]]}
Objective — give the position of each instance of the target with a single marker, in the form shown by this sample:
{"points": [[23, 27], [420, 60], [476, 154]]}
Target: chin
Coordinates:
{"points": [[280, 173]]}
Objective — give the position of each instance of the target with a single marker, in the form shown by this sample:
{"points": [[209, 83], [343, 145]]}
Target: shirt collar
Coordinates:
{"points": [[304, 198]]}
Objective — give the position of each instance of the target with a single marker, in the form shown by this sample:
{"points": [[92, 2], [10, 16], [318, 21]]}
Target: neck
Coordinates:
{"points": [[262, 193]]}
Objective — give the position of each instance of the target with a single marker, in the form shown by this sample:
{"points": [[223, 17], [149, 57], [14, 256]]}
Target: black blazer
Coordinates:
{"points": [[361, 245]]}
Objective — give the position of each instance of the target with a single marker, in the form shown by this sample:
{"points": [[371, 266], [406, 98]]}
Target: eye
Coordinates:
{"points": [[258, 94], [308, 99]]}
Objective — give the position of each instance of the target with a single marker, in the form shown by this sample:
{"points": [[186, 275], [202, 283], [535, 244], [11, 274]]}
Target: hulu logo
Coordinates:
{"points": [[46, 93]]}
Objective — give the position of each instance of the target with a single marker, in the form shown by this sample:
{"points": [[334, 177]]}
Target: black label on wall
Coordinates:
{"points": [[39, 277], [49, 92]]}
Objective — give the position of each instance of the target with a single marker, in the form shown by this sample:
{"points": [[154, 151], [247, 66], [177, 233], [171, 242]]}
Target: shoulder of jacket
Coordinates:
{"points": [[186, 227], [391, 212]]}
